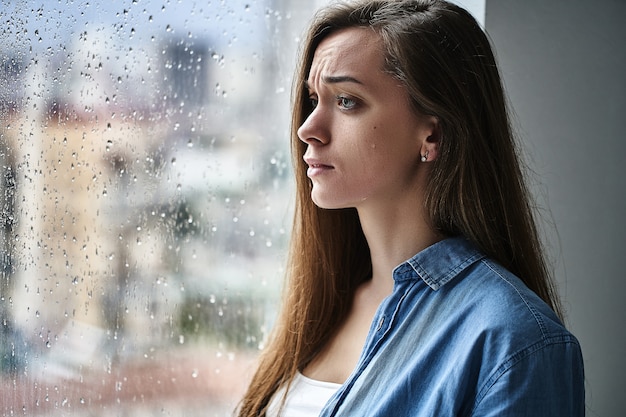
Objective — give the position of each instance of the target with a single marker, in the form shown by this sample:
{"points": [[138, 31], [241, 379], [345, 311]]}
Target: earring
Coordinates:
{"points": [[425, 157]]}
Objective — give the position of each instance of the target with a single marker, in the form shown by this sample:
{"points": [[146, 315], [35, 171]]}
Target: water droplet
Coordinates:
{"points": [[194, 373]]}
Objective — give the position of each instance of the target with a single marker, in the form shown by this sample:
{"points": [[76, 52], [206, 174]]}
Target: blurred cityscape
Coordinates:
{"points": [[145, 196]]}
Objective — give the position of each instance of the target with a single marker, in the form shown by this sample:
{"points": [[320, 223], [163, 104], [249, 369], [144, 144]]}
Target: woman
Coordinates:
{"points": [[416, 282]]}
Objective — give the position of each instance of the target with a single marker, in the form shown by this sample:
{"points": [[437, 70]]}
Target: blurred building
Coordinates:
{"points": [[145, 188]]}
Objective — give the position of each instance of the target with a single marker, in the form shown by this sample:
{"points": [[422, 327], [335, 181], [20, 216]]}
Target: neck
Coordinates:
{"points": [[394, 234]]}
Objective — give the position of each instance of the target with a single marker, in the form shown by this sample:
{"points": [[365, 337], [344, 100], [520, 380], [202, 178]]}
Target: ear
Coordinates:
{"points": [[430, 137]]}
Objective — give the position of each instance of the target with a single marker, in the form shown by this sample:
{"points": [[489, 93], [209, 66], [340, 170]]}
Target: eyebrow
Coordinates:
{"points": [[329, 79]]}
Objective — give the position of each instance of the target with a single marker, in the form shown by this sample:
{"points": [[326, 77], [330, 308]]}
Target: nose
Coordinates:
{"points": [[315, 129]]}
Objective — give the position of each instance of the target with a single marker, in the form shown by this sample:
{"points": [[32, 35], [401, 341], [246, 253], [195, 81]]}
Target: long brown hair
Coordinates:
{"points": [[476, 187]]}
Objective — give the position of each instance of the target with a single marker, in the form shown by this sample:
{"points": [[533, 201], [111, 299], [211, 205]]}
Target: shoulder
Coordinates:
{"points": [[522, 345], [500, 300], [465, 294], [459, 279], [454, 289], [534, 365]]}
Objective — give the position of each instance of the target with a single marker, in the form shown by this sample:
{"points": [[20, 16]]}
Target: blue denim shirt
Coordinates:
{"points": [[462, 336]]}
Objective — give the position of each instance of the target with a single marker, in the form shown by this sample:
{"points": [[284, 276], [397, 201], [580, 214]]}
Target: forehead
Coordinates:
{"points": [[353, 50]]}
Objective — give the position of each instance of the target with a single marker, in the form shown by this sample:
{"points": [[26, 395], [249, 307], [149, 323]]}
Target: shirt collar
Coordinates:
{"points": [[439, 263]]}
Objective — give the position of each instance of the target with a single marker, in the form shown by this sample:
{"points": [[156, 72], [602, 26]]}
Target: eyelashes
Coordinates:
{"points": [[344, 102]]}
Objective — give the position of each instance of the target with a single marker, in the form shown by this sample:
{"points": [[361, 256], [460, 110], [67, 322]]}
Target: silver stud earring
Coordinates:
{"points": [[425, 157]]}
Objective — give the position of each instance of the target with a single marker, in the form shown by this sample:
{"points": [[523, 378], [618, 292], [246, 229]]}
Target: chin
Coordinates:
{"points": [[331, 201], [329, 205], [325, 206]]}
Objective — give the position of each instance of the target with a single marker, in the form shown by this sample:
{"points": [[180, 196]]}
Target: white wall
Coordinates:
{"points": [[564, 66]]}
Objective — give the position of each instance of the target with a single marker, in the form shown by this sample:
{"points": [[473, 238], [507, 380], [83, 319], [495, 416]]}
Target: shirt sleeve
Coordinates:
{"points": [[546, 379]]}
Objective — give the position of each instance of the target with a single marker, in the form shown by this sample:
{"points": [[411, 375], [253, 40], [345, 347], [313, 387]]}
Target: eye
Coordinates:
{"points": [[313, 100], [346, 103]]}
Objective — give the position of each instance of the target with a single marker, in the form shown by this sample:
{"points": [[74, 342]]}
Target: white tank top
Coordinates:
{"points": [[306, 398]]}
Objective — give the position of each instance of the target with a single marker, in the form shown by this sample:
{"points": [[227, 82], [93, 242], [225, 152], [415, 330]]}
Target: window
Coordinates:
{"points": [[145, 195]]}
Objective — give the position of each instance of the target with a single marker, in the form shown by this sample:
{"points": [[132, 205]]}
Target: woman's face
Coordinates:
{"points": [[364, 140]]}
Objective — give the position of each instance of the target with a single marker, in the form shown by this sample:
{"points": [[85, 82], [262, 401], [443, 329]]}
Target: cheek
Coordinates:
{"points": [[373, 147], [382, 142], [374, 140]]}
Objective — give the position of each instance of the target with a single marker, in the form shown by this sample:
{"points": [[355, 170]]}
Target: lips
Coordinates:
{"points": [[317, 167]]}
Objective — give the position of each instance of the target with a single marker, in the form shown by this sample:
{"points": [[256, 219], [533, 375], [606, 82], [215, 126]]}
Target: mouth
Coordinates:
{"points": [[317, 168], [321, 166]]}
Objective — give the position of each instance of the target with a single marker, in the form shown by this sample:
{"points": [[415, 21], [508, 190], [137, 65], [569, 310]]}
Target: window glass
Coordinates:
{"points": [[145, 195]]}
